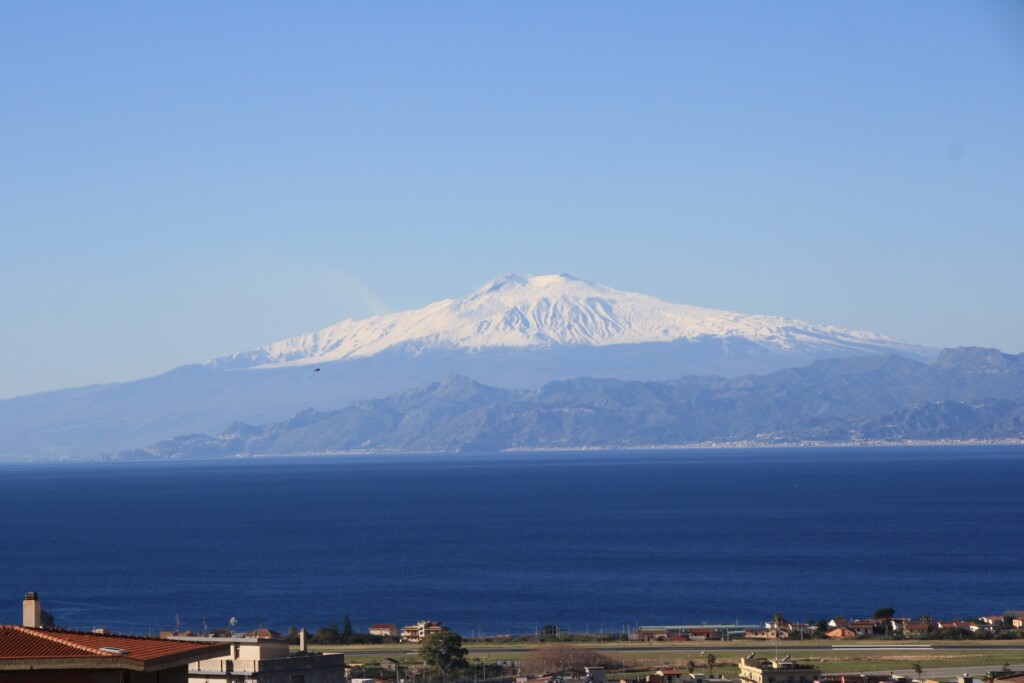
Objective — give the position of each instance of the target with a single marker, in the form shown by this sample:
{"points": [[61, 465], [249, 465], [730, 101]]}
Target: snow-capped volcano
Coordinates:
{"points": [[547, 311], [513, 332]]}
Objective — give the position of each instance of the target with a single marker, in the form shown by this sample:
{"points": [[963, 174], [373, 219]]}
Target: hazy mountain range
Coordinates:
{"points": [[513, 333], [965, 394]]}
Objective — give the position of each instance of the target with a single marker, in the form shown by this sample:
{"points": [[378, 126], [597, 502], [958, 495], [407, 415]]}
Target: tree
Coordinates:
{"points": [[346, 627], [916, 666], [444, 652], [327, 635], [778, 620], [46, 619], [549, 630], [562, 656], [711, 664], [885, 613], [690, 666]]}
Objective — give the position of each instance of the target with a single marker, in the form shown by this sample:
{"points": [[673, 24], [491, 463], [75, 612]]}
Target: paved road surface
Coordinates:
{"points": [[758, 646]]}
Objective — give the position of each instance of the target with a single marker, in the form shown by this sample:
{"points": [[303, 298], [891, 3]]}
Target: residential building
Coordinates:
{"points": [[36, 655], [32, 654], [917, 629], [385, 630], [898, 623], [262, 633], [669, 676], [754, 670], [841, 632], [265, 660], [862, 627], [417, 632]]}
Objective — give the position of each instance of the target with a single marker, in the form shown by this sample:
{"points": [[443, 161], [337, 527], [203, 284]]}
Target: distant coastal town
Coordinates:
{"points": [[40, 651]]}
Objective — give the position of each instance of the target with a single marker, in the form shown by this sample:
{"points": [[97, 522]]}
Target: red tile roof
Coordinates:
{"points": [[20, 642]]}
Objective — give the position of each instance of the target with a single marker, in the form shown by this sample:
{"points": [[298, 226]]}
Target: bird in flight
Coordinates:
{"points": [[316, 369]]}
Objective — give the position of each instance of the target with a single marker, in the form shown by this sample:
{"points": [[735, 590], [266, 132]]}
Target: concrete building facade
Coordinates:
{"points": [[754, 670]]}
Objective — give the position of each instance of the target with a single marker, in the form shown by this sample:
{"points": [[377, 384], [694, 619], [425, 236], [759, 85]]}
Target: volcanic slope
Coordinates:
{"points": [[514, 332]]}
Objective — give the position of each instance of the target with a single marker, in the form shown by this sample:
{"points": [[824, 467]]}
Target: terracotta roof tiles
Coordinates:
{"points": [[20, 642]]}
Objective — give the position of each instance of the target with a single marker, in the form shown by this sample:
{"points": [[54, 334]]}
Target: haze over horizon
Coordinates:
{"points": [[180, 183]]}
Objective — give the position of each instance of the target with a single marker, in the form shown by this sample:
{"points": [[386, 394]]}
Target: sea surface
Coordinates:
{"points": [[505, 543]]}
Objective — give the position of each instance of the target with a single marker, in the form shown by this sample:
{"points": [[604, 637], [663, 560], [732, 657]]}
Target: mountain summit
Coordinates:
{"points": [[514, 332], [545, 311]]}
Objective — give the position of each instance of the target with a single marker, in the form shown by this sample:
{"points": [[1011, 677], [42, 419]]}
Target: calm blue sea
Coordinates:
{"points": [[505, 543]]}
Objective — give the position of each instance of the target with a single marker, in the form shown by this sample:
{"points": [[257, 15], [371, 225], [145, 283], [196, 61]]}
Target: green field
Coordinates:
{"points": [[639, 658]]}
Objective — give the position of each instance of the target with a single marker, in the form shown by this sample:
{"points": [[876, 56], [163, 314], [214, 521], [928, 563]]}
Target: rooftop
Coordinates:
{"points": [[77, 649]]}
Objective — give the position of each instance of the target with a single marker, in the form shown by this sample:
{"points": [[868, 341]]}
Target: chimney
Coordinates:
{"points": [[302, 640], [32, 611]]}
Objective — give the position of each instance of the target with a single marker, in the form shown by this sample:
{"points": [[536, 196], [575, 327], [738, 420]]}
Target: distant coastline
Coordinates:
{"points": [[703, 446]]}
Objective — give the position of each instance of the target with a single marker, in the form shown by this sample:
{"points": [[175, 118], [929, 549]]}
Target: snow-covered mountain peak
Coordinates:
{"points": [[553, 310], [506, 281], [511, 282]]}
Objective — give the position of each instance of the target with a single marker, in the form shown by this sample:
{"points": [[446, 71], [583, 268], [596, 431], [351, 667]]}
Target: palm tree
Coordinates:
{"points": [[711, 664], [690, 666]]}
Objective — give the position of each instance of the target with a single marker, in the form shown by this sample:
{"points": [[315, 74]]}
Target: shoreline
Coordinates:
{"points": [[699, 446]]}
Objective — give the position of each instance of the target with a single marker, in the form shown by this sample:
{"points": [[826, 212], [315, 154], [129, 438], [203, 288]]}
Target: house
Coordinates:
{"points": [[766, 633], [420, 630], [36, 655], [668, 676], [841, 632], [1017, 622], [264, 660], [384, 630], [754, 670], [897, 623], [30, 653], [862, 627], [954, 625], [917, 629], [261, 633]]}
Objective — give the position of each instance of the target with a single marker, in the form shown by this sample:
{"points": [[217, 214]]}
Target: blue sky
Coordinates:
{"points": [[179, 181]]}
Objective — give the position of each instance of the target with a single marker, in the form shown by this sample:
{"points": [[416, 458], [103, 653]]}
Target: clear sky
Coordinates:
{"points": [[179, 181]]}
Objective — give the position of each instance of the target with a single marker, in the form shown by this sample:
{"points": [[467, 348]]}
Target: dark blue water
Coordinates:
{"points": [[505, 543]]}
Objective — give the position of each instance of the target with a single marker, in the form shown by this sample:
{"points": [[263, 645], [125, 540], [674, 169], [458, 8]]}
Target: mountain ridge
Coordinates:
{"points": [[852, 400]]}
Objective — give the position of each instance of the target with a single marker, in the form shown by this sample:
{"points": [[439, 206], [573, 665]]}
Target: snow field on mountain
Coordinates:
{"points": [[552, 310]]}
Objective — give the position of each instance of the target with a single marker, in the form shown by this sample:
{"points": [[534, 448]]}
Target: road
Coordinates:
{"points": [[496, 650]]}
